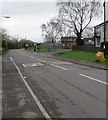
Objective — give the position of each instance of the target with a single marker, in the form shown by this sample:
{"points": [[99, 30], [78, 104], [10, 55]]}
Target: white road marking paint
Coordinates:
{"points": [[59, 67], [46, 115], [41, 60], [3, 74], [11, 58], [24, 65], [94, 79], [34, 65], [61, 62]]}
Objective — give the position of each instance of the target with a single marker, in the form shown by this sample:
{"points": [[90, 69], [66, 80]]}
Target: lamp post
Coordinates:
{"points": [[104, 46], [3, 17], [6, 16]]}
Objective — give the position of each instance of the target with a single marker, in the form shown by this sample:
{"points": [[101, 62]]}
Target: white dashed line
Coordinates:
{"points": [[94, 79], [41, 60], [46, 115], [59, 67]]}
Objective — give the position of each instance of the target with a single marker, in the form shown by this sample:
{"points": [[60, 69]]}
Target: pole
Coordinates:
{"points": [[104, 47]]}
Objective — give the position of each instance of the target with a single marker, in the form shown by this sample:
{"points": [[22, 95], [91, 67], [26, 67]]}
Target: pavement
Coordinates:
{"points": [[80, 62], [16, 99]]}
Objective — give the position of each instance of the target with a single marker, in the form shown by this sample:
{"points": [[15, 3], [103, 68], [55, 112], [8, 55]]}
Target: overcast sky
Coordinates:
{"points": [[26, 18]]}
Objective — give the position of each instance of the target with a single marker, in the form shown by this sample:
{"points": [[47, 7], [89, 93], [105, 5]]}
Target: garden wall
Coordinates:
{"points": [[87, 48]]}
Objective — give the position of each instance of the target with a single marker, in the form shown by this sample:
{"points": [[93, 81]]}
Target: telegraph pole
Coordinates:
{"points": [[104, 47]]}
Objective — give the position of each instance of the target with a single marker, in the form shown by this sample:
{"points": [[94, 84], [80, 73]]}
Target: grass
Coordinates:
{"points": [[81, 55], [47, 50]]}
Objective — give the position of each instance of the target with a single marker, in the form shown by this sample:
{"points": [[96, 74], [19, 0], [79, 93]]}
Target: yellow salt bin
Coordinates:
{"points": [[100, 56]]}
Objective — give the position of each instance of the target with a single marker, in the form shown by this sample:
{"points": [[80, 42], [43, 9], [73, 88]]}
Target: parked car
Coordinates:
{"points": [[89, 43]]}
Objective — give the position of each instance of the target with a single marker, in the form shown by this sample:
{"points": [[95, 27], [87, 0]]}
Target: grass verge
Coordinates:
{"points": [[47, 50], [81, 55]]}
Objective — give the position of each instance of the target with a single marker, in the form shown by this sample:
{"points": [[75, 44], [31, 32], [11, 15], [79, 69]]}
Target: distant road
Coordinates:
{"points": [[64, 89]]}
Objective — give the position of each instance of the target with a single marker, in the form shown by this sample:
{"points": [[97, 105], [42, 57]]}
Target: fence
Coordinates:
{"points": [[50, 46]]}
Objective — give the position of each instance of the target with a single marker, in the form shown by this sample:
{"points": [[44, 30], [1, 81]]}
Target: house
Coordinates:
{"points": [[68, 42], [99, 29], [106, 6], [99, 33]]}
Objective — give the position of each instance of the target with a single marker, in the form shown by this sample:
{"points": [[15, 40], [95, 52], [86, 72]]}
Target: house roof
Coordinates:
{"points": [[101, 24], [68, 37]]}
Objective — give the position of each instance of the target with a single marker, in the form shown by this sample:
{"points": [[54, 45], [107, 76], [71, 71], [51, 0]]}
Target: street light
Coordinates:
{"points": [[6, 17], [104, 47]]}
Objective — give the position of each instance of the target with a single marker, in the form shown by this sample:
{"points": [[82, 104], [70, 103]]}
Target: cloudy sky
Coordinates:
{"points": [[27, 17]]}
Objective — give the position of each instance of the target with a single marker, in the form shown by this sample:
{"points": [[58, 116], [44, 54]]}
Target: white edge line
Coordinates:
{"points": [[59, 67], [93, 79], [11, 58], [32, 93]]}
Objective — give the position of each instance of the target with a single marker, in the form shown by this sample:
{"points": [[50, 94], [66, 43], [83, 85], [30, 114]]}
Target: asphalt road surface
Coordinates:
{"points": [[38, 86]]}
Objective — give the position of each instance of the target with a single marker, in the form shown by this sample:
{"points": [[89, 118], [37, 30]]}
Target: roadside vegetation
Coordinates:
{"points": [[47, 50], [81, 55], [9, 42]]}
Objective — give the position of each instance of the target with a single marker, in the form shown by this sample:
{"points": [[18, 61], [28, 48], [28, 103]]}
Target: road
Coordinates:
{"points": [[62, 89]]}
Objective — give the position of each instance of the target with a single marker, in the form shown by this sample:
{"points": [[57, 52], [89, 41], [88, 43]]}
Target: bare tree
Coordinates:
{"points": [[51, 30], [89, 32], [78, 15]]}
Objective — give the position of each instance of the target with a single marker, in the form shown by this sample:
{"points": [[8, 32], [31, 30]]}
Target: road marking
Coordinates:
{"points": [[94, 79], [3, 74], [58, 66], [11, 58], [23, 65], [32, 64], [41, 60], [61, 62], [46, 115]]}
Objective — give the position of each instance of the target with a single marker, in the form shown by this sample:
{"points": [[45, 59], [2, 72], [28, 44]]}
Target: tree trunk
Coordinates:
{"points": [[79, 41]]}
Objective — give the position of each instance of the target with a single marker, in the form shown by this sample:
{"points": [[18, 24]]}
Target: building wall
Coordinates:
{"points": [[68, 42], [100, 33]]}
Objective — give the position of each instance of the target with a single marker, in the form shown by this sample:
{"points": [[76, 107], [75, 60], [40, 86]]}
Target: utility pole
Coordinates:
{"points": [[104, 47]]}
